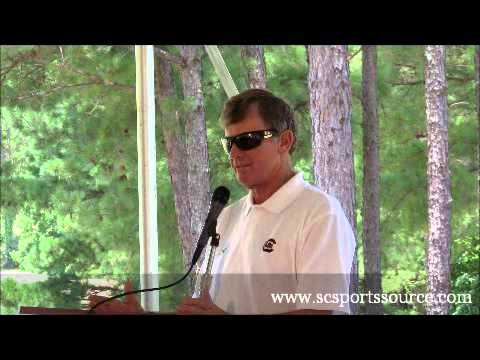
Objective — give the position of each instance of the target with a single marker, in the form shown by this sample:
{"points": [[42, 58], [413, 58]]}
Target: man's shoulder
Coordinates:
{"points": [[323, 207], [235, 207], [314, 198]]}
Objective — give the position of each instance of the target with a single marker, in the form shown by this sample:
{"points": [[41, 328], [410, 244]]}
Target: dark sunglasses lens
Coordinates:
{"points": [[248, 141]]}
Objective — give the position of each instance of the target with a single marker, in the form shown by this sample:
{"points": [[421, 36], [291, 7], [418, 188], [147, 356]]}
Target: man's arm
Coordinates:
{"points": [[205, 306], [129, 306]]}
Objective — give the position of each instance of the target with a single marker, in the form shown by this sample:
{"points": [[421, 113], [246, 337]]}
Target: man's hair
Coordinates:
{"points": [[275, 112]]}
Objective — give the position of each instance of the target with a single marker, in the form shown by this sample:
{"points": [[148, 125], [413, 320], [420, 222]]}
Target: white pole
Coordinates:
{"points": [[147, 184], [221, 69]]}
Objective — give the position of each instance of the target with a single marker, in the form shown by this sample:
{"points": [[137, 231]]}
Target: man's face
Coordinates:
{"points": [[254, 167]]}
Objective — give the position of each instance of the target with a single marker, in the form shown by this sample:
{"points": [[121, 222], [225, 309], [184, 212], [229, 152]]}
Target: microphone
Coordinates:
{"points": [[219, 200]]}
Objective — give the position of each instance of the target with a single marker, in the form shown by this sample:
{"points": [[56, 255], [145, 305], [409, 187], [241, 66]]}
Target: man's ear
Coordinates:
{"points": [[286, 140]]}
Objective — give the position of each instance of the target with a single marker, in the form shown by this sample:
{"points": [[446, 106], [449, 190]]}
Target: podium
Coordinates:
{"points": [[33, 310]]}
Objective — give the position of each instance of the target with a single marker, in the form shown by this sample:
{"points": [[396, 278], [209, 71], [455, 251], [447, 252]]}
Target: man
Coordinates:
{"points": [[286, 236]]}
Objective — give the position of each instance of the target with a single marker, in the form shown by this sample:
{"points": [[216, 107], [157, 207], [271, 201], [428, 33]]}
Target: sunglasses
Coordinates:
{"points": [[248, 140]]}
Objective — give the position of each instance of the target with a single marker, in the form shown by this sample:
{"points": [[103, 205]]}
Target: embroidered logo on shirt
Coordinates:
{"points": [[268, 246]]}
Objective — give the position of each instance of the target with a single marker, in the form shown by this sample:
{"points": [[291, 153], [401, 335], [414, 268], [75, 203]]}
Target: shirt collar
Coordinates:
{"points": [[281, 198]]}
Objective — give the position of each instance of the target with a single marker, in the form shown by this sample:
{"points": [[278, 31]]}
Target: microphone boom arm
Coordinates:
{"points": [[206, 279]]}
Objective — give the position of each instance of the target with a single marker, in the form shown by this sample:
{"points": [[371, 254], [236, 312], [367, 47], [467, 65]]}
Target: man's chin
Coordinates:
{"points": [[246, 182]]}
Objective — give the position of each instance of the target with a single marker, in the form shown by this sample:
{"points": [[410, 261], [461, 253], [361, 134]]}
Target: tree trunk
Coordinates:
{"points": [[438, 253], [477, 76], [198, 183], [371, 210], [254, 60], [330, 109], [176, 153]]}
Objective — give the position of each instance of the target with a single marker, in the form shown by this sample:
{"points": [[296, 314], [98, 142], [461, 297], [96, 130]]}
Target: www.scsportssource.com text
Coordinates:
{"points": [[373, 298]]}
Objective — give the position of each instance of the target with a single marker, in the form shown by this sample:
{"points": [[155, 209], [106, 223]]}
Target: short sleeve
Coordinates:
{"points": [[324, 261]]}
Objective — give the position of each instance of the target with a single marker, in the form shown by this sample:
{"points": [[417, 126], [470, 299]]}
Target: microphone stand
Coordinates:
{"points": [[206, 279]]}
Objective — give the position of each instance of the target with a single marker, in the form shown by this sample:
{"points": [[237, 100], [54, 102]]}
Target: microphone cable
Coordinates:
{"points": [[91, 311]]}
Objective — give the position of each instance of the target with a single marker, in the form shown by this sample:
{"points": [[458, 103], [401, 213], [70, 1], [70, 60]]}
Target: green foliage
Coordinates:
{"points": [[71, 174], [66, 293], [465, 274]]}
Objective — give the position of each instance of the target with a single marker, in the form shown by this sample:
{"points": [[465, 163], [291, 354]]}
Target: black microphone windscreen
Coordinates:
{"points": [[221, 194], [219, 200]]}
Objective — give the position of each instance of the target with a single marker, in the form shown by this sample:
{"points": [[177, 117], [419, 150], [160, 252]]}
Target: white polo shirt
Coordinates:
{"points": [[298, 241]]}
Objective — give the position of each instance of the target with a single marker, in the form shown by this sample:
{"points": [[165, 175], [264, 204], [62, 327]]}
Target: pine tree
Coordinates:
{"points": [[254, 60], [198, 186], [330, 109], [439, 198], [371, 211], [477, 76], [175, 151]]}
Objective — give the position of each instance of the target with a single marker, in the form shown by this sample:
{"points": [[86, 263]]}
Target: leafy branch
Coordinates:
{"points": [[16, 61], [168, 56], [62, 87]]}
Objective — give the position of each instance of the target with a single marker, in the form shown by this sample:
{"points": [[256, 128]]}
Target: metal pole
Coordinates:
{"points": [[221, 69], [147, 184]]}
